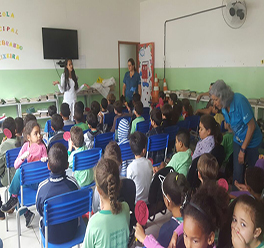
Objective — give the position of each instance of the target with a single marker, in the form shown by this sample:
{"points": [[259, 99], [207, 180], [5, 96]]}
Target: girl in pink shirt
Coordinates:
{"points": [[33, 138]]}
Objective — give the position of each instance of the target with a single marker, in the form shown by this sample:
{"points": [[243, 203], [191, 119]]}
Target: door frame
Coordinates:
{"points": [[136, 62]]}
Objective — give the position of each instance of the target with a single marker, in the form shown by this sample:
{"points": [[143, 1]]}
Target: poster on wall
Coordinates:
{"points": [[146, 71]]}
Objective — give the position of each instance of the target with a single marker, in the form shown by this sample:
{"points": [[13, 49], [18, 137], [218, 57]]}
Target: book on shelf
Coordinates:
{"points": [[51, 96], [24, 100], [11, 101], [34, 99]]}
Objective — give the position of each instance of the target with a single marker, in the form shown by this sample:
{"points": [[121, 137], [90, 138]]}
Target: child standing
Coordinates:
{"points": [[83, 177], [110, 226], [140, 170], [210, 135], [58, 183], [187, 109], [138, 110], [32, 136], [65, 114], [248, 223], [181, 160], [92, 132], [57, 127]]}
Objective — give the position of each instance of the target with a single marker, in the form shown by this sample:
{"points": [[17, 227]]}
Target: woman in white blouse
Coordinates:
{"points": [[69, 85]]}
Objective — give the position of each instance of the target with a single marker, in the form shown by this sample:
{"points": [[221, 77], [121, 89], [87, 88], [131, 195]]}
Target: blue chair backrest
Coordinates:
{"points": [[11, 156], [62, 141], [146, 116], [184, 124], [86, 159], [143, 126], [67, 128], [126, 152], [146, 110], [101, 140], [109, 119], [158, 142], [85, 131], [120, 118], [194, 122], [68, 206], [171, 131], [33, 172]]}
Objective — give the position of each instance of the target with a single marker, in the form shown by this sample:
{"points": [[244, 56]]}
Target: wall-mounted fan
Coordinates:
{"points": [[234, 13]]}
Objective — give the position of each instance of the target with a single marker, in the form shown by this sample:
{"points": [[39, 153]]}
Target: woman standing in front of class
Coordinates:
{"points": [[69, 85]]}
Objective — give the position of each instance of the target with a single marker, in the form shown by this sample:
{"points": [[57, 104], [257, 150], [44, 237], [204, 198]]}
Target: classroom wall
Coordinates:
{"points": [[100, 25], [202, 48]]}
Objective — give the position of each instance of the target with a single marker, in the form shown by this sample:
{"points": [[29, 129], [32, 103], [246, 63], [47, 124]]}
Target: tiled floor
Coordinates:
{"points": [[30, 236]]}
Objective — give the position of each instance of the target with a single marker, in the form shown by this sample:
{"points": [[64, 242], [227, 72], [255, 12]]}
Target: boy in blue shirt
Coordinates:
{"points": [[58, 183]]}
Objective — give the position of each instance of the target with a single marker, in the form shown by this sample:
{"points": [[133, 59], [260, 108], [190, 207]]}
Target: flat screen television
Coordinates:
{"points": [[60, 43]]}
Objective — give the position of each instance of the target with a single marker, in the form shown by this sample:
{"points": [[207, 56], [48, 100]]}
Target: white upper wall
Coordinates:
{"points": [[100, 24], [204, 40]]}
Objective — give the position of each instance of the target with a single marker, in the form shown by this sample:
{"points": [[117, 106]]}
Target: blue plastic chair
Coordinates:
{"points": [[184, 124], [85, 131], [67, 128], [143, 126], [66, 207], [109, 119], [172, 132], [86, 160], [156, 143], [146, 111], [11, 156], [101, 140], [30, 173], [120, 118], [194, 122], [62, 141], [126, 152]]}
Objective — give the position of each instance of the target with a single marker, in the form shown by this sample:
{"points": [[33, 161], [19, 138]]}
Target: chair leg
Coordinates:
{"points": [[6, 214], [19, 225]]}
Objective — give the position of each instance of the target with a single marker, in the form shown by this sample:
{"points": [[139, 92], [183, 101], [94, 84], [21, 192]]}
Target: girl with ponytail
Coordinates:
{"points": [[210, 135], [110, 226]]}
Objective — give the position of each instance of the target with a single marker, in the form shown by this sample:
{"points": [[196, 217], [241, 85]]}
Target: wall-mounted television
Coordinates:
{"points": [[60, 43]]}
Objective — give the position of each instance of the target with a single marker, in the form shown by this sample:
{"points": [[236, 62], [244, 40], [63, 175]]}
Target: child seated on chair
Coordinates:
{"points": [[227, 142], [140, 170], [31, 136], [207, 167], [162, 97], [166, 111], [65, 113], [79, 118], [19, 127], [92, 132], [8, 144], [101, 114], [58, 183], [83, 177], [110, 100], [47, 129], [182, 159], [110, 226], [57, 126], [187, 109], [138, 111]]}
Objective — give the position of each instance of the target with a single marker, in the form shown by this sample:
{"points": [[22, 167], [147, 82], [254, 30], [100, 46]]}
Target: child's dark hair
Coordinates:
{"points": [[58, 158], [112, 150], [77, 136], [91, 119], [57, 122], [19, 125], [79, 105], [166, 110], [209, 122], [104, 103], [174, 98], [139, 107], [28, 128], [138, 141], [122, 99], [255, 209], [78, 114], [118, 106], [184, 136], [107, 179], [52, 110], [29, 117], [136, 97], [208, 167], [176, 186], [65, 110], [95, 107], [111, 98], [254, 178], [187, 106], [9, 123], [209, 207], [156, 116], [162, 95]]}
